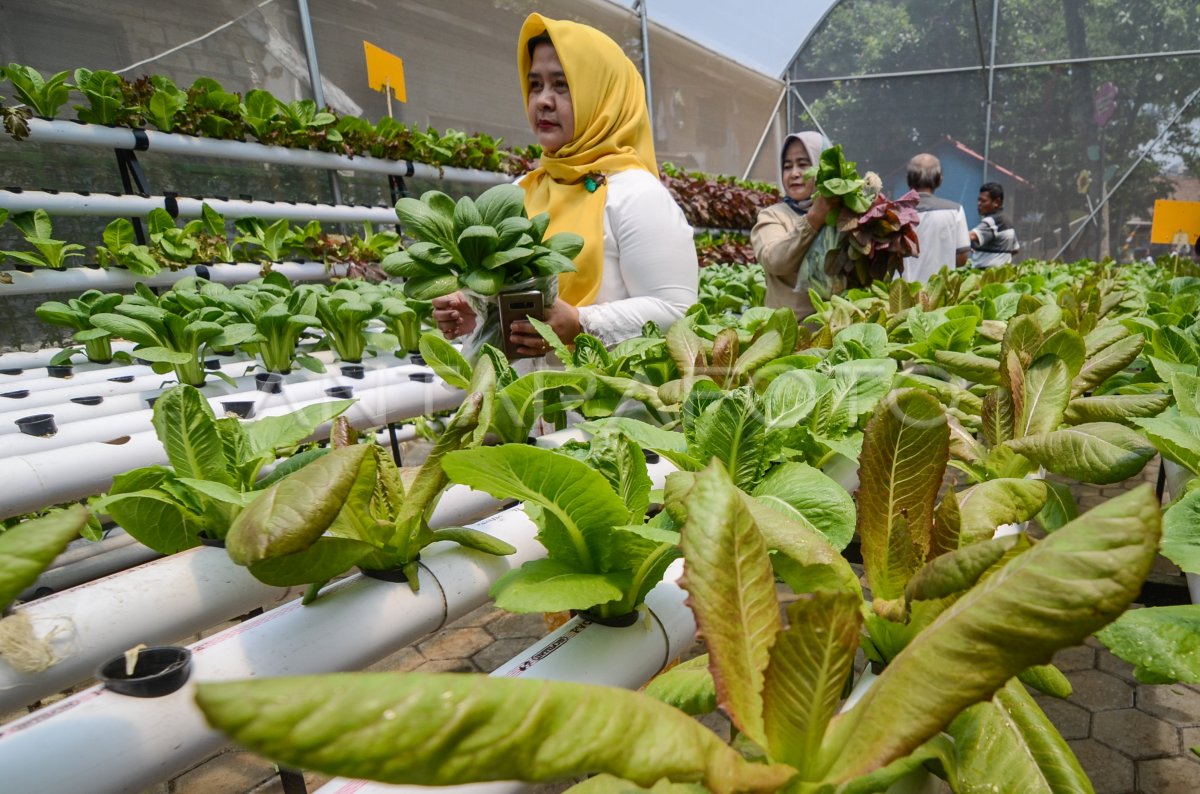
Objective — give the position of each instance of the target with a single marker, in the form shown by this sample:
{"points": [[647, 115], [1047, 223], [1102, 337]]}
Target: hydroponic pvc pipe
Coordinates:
{"points": [[79, 424], [112, 206], [160, 602], [61, 475], [79, 403], [62, 390], [118, 553], [85, 561], [38, 359], [69, 132], [355, 623], [77, 279], [588, 653]]}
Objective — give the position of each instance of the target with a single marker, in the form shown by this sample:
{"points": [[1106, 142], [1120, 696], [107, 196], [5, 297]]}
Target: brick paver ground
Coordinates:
{"points": [[1129, 737]]}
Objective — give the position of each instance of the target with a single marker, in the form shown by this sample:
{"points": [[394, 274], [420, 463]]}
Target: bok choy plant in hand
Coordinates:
{"points": [[213, 469], [354, 507], [602, 556], [780, 684], [477, 244]]}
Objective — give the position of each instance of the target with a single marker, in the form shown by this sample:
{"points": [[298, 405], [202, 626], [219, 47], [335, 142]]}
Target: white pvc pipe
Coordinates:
{"points": [[160, 737], [36, 359], [79, 424], [87, 372], [109, 205], [68, 132], [84, 278], [85, 561], [117, 397], [122, 553], [582, 652], [160, 602], [353, 624], [142, 386], [66, 473]]}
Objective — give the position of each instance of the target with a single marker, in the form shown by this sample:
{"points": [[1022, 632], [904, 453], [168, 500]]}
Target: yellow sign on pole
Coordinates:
{"points": [[385, 72], [1173, 217]]}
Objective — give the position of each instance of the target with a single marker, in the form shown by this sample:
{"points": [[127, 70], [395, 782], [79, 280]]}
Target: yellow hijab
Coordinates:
{"points": [[612, 134]]}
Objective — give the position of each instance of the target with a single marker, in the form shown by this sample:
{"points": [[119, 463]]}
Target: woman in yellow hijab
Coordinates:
{"points": [[598, 178]]}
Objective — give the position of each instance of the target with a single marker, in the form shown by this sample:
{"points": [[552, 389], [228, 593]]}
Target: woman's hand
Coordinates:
{"points": [[453, 316], [820, 209], [562, 317]]}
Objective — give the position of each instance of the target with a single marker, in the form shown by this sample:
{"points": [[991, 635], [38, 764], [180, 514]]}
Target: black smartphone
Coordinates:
{"points": [[518, 306]]}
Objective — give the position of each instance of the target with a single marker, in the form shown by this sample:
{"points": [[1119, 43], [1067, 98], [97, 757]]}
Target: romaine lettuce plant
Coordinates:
{"points": [[37, 230], [353, 507], [213, 473], [43, 96], [122, 250], [511, 404], [781, 685], [106, 100], [1163, 643], [602, 556]]}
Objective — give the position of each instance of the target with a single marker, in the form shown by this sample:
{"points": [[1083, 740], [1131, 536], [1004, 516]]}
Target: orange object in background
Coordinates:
{"points": [[1173, 217], [385, 71]]}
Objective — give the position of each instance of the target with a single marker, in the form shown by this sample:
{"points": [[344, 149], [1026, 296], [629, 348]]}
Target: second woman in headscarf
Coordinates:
{"points": [[785, 232]]}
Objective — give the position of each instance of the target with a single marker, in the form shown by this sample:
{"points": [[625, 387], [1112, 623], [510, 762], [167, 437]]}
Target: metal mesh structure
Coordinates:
{"points": [[459, 62], [1085, 111]]}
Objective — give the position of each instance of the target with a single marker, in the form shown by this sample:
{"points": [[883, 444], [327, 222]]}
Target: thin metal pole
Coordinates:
{"points": [[808, 110], [1145, 56], [766, 129], [641, 6], [314, 77], [1145, 152], [991, 91]]}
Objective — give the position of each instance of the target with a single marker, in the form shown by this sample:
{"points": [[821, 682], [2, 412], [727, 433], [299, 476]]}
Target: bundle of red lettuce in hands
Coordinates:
{"points": [[875, 233]]}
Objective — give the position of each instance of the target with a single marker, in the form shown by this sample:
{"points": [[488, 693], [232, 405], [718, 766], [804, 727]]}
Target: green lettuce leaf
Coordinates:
{"points": [[395, 728]]}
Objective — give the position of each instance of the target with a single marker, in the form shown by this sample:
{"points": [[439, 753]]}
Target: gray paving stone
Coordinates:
{"points": [[1177, 775], [1135, 734], [480, 616], [235, 770], [499, 652], [1110, 772], [447, 666], [1189, 738], [1175, 703], [1073, 722], [455, 643], [400, 662], [508, 625], [1097, 691], [1112, 665], [1081, 657]]}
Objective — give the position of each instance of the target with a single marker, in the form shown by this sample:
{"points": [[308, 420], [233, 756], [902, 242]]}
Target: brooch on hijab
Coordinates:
{"points": [[592, 181]]}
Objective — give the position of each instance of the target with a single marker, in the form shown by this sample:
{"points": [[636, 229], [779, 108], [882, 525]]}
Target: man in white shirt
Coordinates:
{"points": [[942, 232]]}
